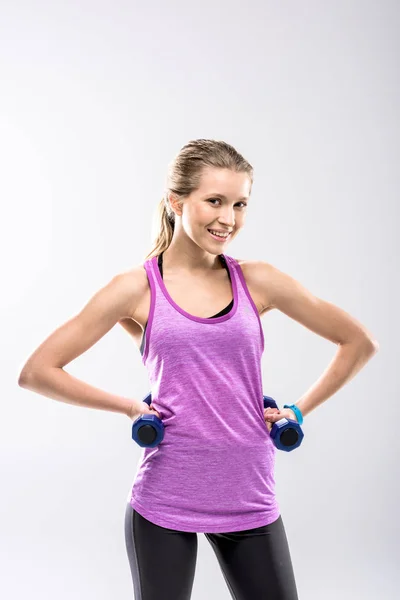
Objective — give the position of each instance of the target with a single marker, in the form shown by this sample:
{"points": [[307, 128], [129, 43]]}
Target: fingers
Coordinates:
{"points": [[155, 411], [270, 413], [270, 416]]}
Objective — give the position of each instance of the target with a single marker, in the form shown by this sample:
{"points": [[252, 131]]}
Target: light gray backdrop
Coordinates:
{"points": [[96, 99]]}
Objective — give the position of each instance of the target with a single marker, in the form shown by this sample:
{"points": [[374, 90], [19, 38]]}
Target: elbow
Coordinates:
{"points": [[375, 345], [372, 345], [26, 378], [23, 379], [367, 344], [32, 377]]}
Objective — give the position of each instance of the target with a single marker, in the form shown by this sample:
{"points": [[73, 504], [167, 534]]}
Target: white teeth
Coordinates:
{"points": [[224, 235]]}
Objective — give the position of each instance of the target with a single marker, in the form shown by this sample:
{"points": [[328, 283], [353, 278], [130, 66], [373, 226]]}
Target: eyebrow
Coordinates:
{"points": [[224, 197]]}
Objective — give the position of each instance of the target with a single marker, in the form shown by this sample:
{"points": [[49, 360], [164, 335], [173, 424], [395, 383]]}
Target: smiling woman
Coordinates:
{"points": [[194, 312], [223, 234]]}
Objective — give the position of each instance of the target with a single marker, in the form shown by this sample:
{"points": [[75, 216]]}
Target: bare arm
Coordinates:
{"points": [[320, 316], [356, 344], [44, 370]]}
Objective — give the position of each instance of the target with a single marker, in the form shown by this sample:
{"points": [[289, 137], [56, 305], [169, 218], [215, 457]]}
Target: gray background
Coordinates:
{"points": [[97, 97]]}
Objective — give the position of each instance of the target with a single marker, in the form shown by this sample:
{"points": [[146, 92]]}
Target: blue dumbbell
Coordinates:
{"points": [[285, 433], [148, 430]]}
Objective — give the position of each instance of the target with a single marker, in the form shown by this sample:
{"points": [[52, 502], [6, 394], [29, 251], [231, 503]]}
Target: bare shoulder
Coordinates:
{"points": [[291, 297], [134, 281], [135, 275], [130, 287], [270, 282], [259, 275]]}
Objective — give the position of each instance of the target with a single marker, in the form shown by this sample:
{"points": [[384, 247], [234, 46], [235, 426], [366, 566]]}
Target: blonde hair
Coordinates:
{"points": [[184, 177]]}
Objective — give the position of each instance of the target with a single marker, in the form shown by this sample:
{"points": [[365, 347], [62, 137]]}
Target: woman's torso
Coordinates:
{"points": [[201, 296], [214, 469]]}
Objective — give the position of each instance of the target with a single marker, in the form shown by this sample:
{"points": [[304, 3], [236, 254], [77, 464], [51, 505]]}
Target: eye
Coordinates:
{"points": [[219, 200]]}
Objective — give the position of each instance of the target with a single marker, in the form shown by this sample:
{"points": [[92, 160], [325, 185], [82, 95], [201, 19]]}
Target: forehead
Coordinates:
{"points": [[225, 182]]}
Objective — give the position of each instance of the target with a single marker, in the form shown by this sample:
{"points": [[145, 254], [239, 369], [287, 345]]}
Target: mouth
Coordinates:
{"points": [[219, 238]]}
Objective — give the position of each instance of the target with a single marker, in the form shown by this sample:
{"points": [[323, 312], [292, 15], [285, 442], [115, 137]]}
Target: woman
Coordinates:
{"points": [[194, 313]]}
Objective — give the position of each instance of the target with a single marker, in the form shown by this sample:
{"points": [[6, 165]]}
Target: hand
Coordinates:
{"points": [[139, 408], [271, 415]]}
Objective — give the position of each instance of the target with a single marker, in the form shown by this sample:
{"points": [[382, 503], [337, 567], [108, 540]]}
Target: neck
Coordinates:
{"points": [[175, 261]]}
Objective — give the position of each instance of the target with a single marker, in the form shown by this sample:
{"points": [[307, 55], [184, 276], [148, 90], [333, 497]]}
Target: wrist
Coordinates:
{"points": [[293, 414], [130, 408], [298, 416]]}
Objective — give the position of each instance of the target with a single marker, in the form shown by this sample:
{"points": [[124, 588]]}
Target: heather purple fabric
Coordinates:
{"points": [[214, 470]]}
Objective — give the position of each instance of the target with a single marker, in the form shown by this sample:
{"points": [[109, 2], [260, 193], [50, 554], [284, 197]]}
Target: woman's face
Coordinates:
{"points": [[220, 203]]}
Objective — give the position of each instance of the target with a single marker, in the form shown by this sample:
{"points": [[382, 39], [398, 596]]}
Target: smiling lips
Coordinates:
{"points": [[220, 238]]}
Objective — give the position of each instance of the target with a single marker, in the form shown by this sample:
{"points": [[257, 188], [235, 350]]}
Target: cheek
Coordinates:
{"points": [[203, 214]]}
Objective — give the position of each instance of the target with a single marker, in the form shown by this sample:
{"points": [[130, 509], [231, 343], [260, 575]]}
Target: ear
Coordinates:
{"points": [[174, 203]]}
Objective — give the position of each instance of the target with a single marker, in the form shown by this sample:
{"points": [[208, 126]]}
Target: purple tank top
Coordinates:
{"points": [[214, 470]]}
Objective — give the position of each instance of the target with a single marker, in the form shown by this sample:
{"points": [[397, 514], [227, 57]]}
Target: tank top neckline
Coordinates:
{"points": [[209, 320]]}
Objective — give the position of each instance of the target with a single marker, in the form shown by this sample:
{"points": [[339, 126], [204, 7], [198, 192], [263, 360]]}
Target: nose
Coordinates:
{"points": [[226, 217]]}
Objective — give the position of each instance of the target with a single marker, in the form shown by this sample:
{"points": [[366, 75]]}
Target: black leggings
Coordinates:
{"points": [[255, 563]]}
